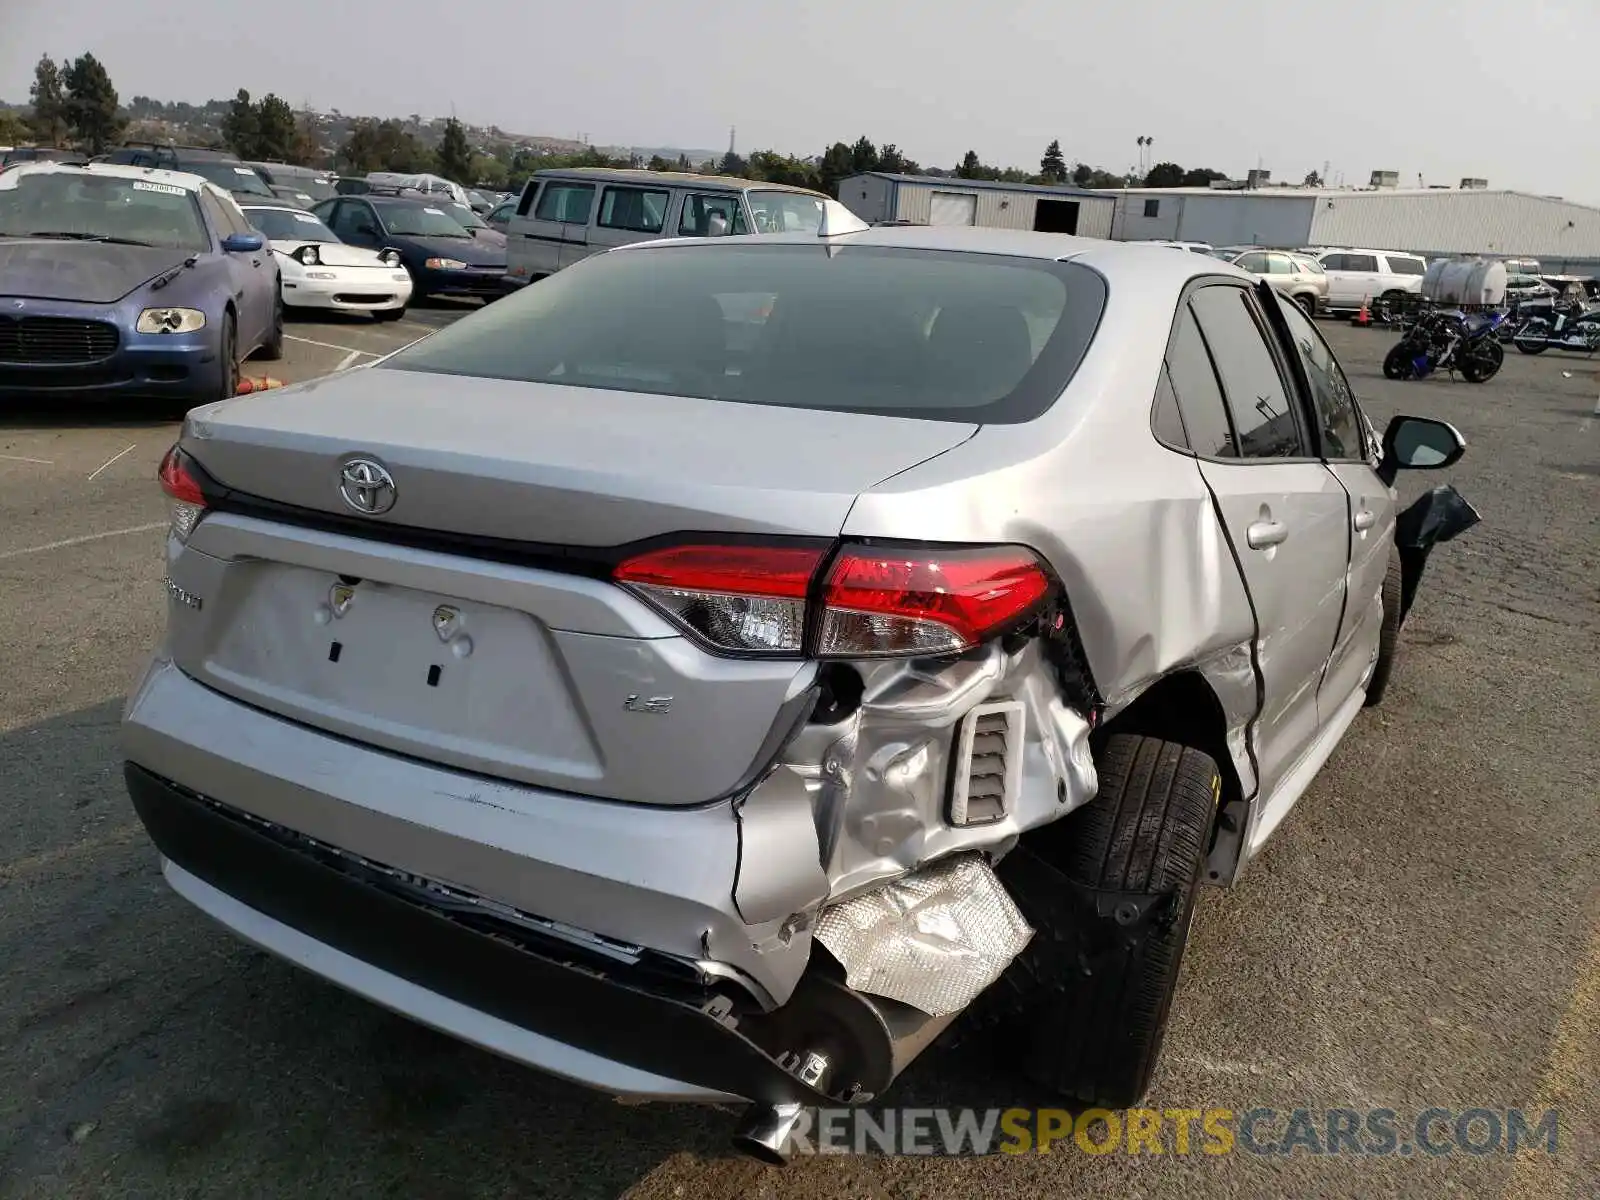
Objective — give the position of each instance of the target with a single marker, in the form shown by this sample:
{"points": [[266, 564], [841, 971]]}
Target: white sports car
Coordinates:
{"points": [[320, 271]]}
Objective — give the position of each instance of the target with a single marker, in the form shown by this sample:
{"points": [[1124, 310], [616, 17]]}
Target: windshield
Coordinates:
{"points": [[913, 333], [317, 189], [464, 216], [785, 212], [100, 207], [420, 220], [230, 177], [284, 225]]}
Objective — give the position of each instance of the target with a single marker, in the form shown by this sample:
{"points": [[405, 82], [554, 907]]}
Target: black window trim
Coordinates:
{"points": [[1281, 325], [1273, 340]]}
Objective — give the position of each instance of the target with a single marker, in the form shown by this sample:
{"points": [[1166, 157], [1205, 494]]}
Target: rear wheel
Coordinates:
{"points": [[1308, 303], [272, 351], [1483, 362], [1120, 876]]}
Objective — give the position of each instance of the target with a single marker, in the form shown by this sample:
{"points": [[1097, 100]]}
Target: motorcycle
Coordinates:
{"points": [[1571, 325], [1448, 340]]}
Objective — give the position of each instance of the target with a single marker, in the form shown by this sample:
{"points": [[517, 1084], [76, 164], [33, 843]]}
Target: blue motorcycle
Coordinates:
{"points": [[1449, 340]]}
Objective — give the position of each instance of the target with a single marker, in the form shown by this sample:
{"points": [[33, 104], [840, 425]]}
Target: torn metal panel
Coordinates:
{"points": [[879, 780], [934, 939]]}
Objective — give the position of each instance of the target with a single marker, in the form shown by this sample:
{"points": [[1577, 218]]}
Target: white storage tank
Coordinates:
{"points": [[1465, 281]]}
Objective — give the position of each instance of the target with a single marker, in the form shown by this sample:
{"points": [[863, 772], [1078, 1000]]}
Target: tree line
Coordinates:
{"points": [[74, 102]]}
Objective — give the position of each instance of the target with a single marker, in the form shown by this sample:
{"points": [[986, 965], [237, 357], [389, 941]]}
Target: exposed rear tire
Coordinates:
{"points": [[1144, 837], [1388, 634], [1485, 364], [1308, 305]]}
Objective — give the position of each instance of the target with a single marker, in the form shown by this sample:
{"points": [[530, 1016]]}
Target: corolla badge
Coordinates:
{"points": [[367, 486]]}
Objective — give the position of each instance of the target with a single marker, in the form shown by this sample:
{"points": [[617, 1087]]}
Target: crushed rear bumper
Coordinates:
{"points": [[630, 1029]]}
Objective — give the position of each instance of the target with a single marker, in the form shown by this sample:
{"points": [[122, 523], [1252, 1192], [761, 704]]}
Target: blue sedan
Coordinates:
{"points": [[119, 281]]}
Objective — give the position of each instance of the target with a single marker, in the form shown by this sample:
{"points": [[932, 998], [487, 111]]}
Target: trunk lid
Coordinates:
{"points": [[554, 679], [556, 465]]}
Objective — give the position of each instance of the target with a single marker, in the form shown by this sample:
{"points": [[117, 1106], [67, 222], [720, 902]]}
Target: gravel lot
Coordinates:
{"points": [[1424, 930]]}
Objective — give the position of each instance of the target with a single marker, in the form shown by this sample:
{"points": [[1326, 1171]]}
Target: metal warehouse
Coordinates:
{"points": [[1437, 222], [934, 200]]}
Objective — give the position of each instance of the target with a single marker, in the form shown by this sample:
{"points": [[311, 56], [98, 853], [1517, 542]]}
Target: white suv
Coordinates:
{"points": [[1357, 275]]}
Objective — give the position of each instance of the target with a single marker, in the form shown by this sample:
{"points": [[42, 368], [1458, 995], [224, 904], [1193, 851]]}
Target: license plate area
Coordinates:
{"points": [[454, 680]]}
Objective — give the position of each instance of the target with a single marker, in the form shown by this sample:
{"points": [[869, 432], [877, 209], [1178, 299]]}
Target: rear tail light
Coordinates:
{"points": [[739, 599], [187, 503], [757, 600]]}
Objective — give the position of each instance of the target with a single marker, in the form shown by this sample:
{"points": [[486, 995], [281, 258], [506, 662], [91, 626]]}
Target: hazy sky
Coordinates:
{"points": [[1444, 88]]}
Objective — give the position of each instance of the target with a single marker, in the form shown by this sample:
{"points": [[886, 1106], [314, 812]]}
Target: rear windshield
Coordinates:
{"points": [[927, 334]]}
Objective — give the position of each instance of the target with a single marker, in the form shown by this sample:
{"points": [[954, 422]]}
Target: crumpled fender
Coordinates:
{"points": [[1436, 516]]}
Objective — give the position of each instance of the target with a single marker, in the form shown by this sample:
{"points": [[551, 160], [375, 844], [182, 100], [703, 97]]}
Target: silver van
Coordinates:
{"points": [[568, 214]]}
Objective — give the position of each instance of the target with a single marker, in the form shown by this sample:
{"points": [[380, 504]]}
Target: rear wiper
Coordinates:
{"points": [[87, 237]]}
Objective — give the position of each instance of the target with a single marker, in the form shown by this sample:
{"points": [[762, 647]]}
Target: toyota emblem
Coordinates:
{"points": [[367, 486]]}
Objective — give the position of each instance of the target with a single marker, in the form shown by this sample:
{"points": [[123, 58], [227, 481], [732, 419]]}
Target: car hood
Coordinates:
{"points": [[88, 272], [332, 254], [472, 251], [491, 237]]}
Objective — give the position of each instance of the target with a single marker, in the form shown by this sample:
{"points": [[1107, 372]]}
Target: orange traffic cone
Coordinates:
{"points": [[1363, 317], [258, 383]]}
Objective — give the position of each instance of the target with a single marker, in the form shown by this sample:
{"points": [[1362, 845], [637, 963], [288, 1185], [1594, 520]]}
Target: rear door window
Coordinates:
{"points": [[638, 210], [568, 203], [704, 213], [1199, 395], [1399, 265], [1259, 399]]}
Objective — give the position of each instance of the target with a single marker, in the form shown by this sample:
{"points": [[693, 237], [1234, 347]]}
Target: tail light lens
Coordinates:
{"points": [[187, 503], [738, 599], [874, 603], [879, 604]]}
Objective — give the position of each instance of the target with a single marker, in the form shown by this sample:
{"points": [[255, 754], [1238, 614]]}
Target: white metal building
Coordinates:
{"points": [[1437, 222], [933, 200]]}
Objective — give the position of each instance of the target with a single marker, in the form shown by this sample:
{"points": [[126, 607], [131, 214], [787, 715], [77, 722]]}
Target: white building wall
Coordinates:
{"points": [[868, 196], [1459, 222]]}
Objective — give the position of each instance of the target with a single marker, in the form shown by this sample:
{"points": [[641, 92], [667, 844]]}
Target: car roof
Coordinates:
{"points": [[287, 208], [1142, 262], [183, 179], [681, 178]]}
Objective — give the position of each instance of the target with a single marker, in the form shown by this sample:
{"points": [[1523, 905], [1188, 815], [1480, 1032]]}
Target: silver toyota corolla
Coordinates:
{"points": [[705, 675]]}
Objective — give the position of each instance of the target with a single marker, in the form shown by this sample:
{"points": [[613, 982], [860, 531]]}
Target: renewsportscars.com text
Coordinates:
{"points": [[1213, 1132]]}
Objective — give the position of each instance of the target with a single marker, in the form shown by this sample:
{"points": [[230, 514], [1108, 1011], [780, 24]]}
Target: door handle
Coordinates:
{"points": [[1365, 520], [1263, 534]]}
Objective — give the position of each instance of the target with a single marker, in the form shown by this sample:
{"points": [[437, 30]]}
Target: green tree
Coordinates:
{"points": [[838, 162], [863, 157], [732, 164], [1053, 166], [891, 160], [1312, 180], [306, 149], [239, 126], [1164, 175], [13, 128], [91, 103], [657, 163], [488, 171], [455, 155], [275, 129], [49, 119], [1201, 177]]}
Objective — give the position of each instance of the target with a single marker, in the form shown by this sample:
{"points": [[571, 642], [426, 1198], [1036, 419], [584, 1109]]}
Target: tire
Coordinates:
{"points": [[1308, 305], [1397, 363], [1484, 363], [1388, 634], [272, 351], [392, 314], [1145, 834]]}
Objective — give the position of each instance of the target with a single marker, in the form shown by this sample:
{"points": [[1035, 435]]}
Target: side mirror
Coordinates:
{"points": [[1419, 444], [243, 243]]}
